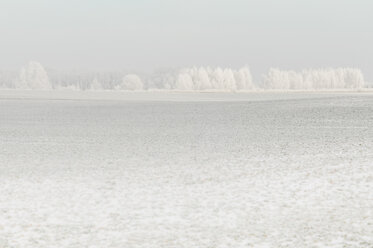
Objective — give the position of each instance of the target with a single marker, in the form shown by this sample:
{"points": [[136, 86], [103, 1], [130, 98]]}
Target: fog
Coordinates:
{"points": [[145, 36]]}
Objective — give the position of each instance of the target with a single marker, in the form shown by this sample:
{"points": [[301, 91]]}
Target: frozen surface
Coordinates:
{"points": [[197, 170]]}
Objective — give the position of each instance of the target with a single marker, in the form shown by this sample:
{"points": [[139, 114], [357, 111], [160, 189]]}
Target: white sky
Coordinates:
{"points": [[144, 35]]}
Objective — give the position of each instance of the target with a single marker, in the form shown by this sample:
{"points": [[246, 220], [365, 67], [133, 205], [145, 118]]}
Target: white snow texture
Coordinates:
{"points": [[219, 170]]}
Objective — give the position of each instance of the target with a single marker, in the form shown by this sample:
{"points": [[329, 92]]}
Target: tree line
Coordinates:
{"points": [[35, 76]]}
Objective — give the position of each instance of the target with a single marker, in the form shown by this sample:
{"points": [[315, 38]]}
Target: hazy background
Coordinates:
{"points": [[143, 35]]}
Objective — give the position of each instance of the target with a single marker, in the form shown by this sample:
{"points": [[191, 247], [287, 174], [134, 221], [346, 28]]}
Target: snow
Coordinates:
{"points": [[124, 169]]}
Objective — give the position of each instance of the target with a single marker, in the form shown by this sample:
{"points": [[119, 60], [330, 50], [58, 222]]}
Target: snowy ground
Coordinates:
{"points": [[186, 170]]}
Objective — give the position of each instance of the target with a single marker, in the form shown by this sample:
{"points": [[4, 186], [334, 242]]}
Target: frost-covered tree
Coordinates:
{"points": [[229, 83], [131, 82], [354, 78], [33, 76], [217, 78], [7, 79], [244, 79], [168, 81], [184, 82], [295, 80], [213, 79], [315, 79], [203, 80], [276, 79], [96, 85]]}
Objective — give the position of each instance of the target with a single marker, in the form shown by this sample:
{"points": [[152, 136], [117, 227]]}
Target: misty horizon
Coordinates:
{"points": [[186, 123], [35, 76], [146, 36]]}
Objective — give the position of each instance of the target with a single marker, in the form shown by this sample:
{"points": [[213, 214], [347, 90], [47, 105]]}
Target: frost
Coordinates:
{"points": [[160, 170], [131, 82], [200, 79], [184, 82], [96, 85], [339, 78], [33, 76]]}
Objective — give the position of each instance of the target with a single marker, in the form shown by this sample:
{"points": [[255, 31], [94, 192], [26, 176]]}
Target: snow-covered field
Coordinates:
{"points": [[186, 169]]}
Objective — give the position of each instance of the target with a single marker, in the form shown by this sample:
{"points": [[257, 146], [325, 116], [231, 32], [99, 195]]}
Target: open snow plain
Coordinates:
{"points": [[186, 170]]}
